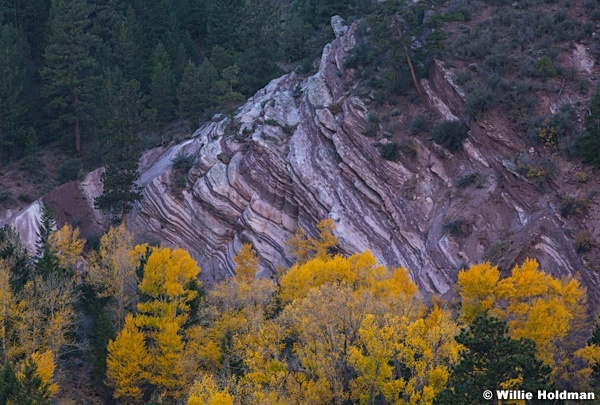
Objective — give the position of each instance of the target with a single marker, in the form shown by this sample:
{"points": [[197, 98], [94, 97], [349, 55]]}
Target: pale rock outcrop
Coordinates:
{"points": [[295, 153]]}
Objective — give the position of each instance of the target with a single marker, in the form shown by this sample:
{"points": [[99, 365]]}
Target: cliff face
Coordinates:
{"points": [[295, 153]]}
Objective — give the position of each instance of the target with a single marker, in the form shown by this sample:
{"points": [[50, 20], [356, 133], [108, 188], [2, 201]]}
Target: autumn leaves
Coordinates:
{"points": [[330, 330]]}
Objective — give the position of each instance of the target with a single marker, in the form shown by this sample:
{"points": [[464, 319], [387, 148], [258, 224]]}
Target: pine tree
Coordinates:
{"points": [[222, 21], [162, 94], [9, 385], [591, 140], [46, 262], [14, 55], [128, 120], [33, 390], [190, 94], [32, 150], [492, 360], [128, 47], [68, 75], [258, 33]]}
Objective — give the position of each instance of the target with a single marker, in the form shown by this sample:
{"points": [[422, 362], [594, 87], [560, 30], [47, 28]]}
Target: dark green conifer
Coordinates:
{"points": [[14, 85], [190, 98], [490, 358], [69, 72], [46, 262], [130, 117], [32, 390], [162, 86]]}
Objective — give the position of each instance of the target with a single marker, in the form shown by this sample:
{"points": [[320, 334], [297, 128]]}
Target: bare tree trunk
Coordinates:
{"points": [[410, 66]]}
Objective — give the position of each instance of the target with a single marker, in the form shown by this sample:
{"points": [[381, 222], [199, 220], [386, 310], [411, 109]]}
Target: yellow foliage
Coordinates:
{"points": [[67, 246], [542, 308], [305, 248], [246, 264], [127, 362], [45, 369], [477, 288], [111, 271], [167, 275], [205, 392], [314, 273]]}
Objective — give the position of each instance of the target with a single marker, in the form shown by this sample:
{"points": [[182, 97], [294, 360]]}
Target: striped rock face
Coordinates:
{"points": [[296, 153]]}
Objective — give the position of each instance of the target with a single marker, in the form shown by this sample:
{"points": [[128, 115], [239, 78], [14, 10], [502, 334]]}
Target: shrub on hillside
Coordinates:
{"points": [[479, 101], [68, 171], [450, 134]]}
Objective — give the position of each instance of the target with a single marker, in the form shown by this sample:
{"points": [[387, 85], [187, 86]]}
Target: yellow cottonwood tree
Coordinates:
{"points": [[45, 369], [305, 248], [67, 246], [478, 290], [535, 305], [7, 307], [205, 392], [167, 275], [127, 363], [111, 271], [246, 264]]}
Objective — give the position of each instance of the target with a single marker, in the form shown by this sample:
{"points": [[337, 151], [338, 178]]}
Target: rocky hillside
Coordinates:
{"points": [[297, 152]]}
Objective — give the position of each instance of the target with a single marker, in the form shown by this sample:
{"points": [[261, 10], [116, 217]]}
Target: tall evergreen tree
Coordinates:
{"points": [[258, 33], [130, 117], [222, 22], [46, 262], [128, 46], [33, 390], [9, 385], [69, 72], [162, 86], [14, 86], [492, 360], [190, 96]]}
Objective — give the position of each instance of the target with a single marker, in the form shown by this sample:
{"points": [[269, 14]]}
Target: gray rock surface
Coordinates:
{"points": [[287, 162]]}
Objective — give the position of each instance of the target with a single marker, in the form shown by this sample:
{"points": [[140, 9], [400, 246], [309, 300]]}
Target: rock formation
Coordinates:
{"points": [[296, 153]]}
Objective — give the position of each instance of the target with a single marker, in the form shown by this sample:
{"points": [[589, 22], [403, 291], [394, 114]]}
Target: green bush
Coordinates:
{"points": [[574, 207], [544, 67], [450, 134], [479, 101], [68, 171], [182, 162], [419, 124], [389, 151]]}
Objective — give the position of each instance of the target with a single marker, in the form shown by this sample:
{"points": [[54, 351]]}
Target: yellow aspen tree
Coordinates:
{"points": [[477, 288], [547, 310], [112, 272], [45, 369], [67, 246], [30, 322], [167, 275], [429, 351], [326, 324], [7, 306], [246, 264], [57, 297], [372, 358], [205, 392], [127, 363], [305, 248]]}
